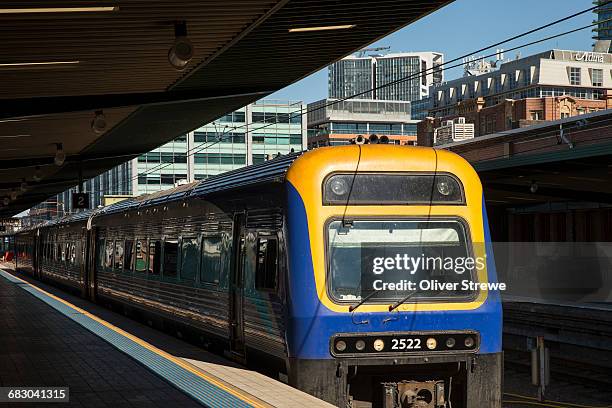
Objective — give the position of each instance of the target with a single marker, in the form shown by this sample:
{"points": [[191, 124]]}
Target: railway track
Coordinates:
{"points": [[579, 340]]}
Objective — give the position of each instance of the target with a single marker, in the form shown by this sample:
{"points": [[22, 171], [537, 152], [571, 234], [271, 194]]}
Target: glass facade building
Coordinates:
{"points": [[419, 110], [392, 71], [351, 76], [603, 30], [396, 77], [248, 135]]}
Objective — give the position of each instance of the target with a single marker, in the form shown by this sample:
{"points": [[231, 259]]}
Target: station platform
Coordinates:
{"points": [[52, 339]]}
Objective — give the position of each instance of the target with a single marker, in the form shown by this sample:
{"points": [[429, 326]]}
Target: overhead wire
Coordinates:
{"points": [[201, 148], [442, 67]]}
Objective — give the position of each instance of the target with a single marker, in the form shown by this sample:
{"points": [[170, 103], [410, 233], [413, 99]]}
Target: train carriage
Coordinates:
{"points": [[304, 261]]}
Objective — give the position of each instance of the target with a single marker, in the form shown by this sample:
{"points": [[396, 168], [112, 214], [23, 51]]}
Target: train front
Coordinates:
{"points": [[392, 292]]}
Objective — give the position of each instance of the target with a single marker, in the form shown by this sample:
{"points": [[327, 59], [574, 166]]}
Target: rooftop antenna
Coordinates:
{"points": [[361, 53]]}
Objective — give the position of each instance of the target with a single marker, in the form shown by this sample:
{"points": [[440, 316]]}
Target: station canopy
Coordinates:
{"points": [[65, 63]]}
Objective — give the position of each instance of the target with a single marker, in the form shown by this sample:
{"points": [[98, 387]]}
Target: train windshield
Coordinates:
{"points": [[389, 260]]}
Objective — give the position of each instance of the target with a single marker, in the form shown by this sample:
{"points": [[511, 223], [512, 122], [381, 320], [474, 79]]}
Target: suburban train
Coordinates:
{"points": [[316, 263]]}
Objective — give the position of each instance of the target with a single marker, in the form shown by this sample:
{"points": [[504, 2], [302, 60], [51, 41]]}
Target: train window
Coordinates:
{"points": [[267, 260], [366, 256], [72, 253], [108, 256], [141, 256], [100, 253], [170, 257], [211, 259], [189, 258], [154, 254], [63, 252], [392, 189], [118, 255], [128, 257]]}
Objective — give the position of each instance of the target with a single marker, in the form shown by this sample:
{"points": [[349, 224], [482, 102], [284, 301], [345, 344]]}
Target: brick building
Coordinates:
{"points": [[513, 114], [551, 85]]}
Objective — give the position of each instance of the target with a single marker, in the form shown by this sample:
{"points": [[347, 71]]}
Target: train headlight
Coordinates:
{"points": [[360, 345], [469, 342], [379, 345], [338, 186], [431, 343], [445, 187], [450, 342], [340, 345]]}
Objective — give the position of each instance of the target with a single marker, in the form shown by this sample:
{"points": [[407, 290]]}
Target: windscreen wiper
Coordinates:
{"points": [[362, 301], [400, 302]]}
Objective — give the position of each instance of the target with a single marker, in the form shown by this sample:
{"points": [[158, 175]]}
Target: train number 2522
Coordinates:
{"points": [[405, 344]]}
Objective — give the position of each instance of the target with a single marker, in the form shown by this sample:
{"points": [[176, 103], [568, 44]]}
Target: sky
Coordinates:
{"points": [[465, 26]]}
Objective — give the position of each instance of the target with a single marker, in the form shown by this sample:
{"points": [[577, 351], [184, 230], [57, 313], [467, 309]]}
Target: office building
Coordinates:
{"points": [[333, 122], [409, 76], [419, 110], [248, 135], [602, 33]]}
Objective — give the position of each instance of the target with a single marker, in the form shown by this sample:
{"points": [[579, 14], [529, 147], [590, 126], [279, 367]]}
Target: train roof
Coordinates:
{"points": [[271, 171]]}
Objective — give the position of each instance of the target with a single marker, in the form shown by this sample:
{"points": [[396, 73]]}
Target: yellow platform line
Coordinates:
{"points": [[246, 397]]}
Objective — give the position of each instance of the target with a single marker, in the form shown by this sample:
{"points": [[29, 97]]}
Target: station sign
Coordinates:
{"points": [[80, 201]]}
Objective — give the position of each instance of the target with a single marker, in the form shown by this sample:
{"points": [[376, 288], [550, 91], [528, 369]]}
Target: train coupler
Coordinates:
{"points": [[414, 394]]}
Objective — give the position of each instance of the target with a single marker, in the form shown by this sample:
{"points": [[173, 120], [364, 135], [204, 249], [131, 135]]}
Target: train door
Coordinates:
{"points": [[236, 289], [36, 255], [94, 252], [82, 256]]}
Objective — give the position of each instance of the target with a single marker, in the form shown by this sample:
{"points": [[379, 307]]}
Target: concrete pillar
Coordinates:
{"points": [[248, 135], [190, 158]]}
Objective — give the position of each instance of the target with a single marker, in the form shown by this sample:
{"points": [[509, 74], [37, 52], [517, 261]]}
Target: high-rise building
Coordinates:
{"points": [[351, 76], [397, 76], [246, 136], [602, 33]]}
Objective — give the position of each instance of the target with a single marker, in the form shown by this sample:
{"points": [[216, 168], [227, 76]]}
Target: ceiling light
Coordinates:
{"points": [[42, 10], [98, 124], [60, 155], [13, 136], [181, 51], [37, 174], [321, 28], [35, 65]]}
